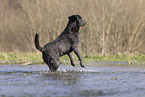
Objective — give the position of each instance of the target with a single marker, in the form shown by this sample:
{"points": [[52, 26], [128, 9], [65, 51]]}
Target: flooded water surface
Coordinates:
{"points": [[98, 80]]}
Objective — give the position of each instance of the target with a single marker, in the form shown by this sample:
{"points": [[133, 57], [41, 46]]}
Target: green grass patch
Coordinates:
{"points": [[20, 58], [17, 58], [116, 57], [130, 58]]}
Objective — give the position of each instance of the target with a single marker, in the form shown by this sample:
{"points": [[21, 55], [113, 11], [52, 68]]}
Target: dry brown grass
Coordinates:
{"points": [[113, 26]]}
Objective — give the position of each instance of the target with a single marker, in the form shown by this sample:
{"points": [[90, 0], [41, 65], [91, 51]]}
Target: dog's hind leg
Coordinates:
{"points": [[53, 63], [71, 59]]}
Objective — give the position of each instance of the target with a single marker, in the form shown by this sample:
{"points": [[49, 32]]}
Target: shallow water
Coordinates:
{"points": [[111, 79]]}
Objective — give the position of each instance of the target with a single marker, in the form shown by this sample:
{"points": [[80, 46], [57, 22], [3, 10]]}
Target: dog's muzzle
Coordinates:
{"points": [[83, 23]]}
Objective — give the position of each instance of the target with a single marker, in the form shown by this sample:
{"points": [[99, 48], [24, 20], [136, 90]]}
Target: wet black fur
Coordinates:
{"points": [[66, 42]]}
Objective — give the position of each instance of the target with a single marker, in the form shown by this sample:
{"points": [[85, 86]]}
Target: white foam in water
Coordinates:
{"points": [[64, 70], [84, 70], [80, 69]]}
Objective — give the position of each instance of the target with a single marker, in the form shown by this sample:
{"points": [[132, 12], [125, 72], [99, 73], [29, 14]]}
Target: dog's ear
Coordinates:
{"points": [[72, 18], [78, 17]]}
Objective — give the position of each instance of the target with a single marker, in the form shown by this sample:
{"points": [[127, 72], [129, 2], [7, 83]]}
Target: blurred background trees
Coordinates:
{"points": [[113, 26]]}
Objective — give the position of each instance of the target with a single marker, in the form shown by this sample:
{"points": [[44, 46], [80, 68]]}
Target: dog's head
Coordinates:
{"points": [[78, 19]]}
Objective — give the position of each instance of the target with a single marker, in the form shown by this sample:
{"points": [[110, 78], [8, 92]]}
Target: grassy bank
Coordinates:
{"points": [[33, 58]]}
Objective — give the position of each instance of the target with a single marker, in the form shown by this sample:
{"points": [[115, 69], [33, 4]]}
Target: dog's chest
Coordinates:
{"points": [[74, 38]]}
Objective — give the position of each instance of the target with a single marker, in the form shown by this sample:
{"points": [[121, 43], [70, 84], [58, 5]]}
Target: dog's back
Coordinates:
{"points": [[61, 45]]}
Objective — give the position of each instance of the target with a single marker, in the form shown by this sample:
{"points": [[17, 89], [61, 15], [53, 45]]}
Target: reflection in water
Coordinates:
{"points": [[65, 76]]}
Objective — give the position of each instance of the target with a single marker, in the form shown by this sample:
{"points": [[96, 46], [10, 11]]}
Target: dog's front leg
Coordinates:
{"points": [[71, 59], [79, 57]]}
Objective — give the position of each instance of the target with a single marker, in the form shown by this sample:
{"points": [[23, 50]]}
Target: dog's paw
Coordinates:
{"points": [[82, 65], [73, 64]]}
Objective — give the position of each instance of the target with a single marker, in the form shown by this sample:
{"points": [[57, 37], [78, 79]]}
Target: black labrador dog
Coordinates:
{"points": [[66, 42]]}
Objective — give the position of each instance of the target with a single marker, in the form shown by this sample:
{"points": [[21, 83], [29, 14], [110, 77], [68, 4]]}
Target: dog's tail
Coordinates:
{"points": [[37, 43]]}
